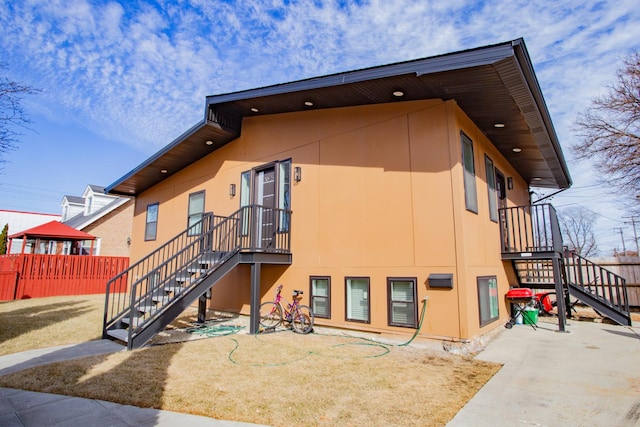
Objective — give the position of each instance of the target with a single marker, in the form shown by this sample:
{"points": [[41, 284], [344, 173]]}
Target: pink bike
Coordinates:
{"points": [[273, 313]]}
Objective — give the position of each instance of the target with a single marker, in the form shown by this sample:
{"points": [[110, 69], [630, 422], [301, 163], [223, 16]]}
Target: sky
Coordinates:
{"points": [[121, 79]]}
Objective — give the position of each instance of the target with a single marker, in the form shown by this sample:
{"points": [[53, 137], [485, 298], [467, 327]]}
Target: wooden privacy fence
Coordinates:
{"points": [[35, 276]]}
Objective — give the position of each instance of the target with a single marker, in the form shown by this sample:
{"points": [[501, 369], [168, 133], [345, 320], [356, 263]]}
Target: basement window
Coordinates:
{"points": [[487, 299]]}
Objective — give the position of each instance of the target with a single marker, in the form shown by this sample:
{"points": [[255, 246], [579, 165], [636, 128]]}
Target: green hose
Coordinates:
{"points": [[424, 310]]}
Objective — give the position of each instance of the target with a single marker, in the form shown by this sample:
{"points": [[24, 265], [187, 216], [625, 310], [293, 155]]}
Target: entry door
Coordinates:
{"points": [[265, 198]]}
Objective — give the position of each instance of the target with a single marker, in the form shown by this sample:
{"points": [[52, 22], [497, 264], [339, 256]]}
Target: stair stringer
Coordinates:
{"points": [[159, 320], [600, 304]]}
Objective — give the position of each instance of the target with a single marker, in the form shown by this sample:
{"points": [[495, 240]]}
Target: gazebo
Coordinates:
{"points": [[49, 238]]}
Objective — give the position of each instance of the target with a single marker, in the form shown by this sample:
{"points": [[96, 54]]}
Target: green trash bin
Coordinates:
{"points": [[530, 316]]}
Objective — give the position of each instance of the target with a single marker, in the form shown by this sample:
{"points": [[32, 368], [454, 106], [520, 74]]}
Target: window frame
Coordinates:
{"points": [[492, 193], [347, 298], [191, 229], [147, 237], [313, 297], [469, 174], [482, 282], [390, 301]]}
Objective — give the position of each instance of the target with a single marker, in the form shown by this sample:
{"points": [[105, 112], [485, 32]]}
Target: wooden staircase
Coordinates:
{"points": [[142, 300]]}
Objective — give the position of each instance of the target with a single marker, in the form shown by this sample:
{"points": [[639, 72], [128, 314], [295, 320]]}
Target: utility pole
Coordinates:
{"points": [[624, 248], [635, 233]]}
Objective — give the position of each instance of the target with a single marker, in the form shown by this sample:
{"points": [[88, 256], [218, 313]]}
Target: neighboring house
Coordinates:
{"points": [[19, 221], [106, 216], [372, 190]]}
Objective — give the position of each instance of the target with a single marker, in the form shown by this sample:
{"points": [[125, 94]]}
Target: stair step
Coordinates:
{"points": [[182, 279], [175, 289], [145, 308], [136, 321], [163, 299], [119, 334]]}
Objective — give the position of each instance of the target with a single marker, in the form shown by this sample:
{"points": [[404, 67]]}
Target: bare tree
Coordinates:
{"points": [[610, 129], [12, 115], [576, 224]]}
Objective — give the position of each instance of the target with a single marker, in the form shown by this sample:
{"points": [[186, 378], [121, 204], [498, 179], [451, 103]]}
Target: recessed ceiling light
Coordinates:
{"points": [[537, 178], [308, 103], [516, 149], [398, 93], [254, 109], [209, 142], [163, 171], [498, 125], [132, 191]]}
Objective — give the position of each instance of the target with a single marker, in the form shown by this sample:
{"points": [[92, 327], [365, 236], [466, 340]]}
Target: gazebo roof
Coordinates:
{"points": [[53, 230]]}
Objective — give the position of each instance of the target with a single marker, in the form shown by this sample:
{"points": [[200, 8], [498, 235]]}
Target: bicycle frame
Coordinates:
{"points": [[289, 308]]}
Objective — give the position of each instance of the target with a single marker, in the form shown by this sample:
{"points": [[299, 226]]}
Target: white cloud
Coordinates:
{"points": [[138, 72]]}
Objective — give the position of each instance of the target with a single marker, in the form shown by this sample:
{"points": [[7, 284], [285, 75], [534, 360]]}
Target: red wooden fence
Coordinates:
{"points": [[35, 276]]}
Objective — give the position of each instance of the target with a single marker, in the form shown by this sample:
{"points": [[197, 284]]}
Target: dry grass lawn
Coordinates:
{"points": [[29, 324], [276, 379]]}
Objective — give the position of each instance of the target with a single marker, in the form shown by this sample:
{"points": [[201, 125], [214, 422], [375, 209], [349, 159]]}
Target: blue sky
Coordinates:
{"points": [[120, 80]]}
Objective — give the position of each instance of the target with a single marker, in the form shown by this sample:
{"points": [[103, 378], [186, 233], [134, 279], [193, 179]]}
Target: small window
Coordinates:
{"points": [[195, 213], [245, 200], [151, 229], [487, 299], [402, 302], [491, 189], [470, 196], [320, 296], [357, 289]]}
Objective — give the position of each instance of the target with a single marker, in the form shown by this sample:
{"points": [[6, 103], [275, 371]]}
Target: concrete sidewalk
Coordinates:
{"points": [[19, 408], [587, 377]]}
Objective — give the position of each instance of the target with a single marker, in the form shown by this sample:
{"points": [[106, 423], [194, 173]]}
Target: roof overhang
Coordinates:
{"points": [[493, 85]]}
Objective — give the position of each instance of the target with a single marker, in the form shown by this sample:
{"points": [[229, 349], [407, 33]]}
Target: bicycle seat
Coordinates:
{"points": [[297, 292]]}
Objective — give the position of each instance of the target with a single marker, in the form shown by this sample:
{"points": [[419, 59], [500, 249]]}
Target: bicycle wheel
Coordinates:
{"points": [[302, 321], [270, 315]]}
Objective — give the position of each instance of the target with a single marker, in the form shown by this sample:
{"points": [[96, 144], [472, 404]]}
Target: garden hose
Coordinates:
{"points": [[424, 310]]}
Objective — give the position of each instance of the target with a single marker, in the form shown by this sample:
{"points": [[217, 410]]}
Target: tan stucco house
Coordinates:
{"points": [[375, 191]]}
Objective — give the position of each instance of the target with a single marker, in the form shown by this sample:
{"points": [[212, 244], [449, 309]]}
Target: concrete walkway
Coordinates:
{"points": [[587, 377]]}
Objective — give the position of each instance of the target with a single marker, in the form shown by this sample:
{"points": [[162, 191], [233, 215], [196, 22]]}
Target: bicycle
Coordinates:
{"points": [[273, 313]]}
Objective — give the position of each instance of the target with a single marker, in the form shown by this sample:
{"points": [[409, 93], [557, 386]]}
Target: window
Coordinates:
{"points": [[195, 213], [401, 293], [357, 289], [151, 228], [470, 196], [245, 200], [320, 296], [487, 299], [491, 189], [284, 199]]}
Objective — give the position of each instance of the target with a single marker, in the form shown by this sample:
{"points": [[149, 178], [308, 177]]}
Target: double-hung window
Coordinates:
{"points": [[470, 196], [357, 299], [195, 213], [402, 302], [151, 227], [320, 296]]}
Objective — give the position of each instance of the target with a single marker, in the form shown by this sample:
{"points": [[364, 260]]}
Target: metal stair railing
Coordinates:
{"points": [[598, 287], [529, 229], [141, 293]]}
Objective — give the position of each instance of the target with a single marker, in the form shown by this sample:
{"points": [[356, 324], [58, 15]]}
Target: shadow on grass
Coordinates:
{"points": [[112, 374], [24, 320]]}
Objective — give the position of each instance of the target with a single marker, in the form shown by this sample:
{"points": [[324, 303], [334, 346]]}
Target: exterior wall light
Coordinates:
{"points": [[232, 190], [510, 183], [297, 174]]}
